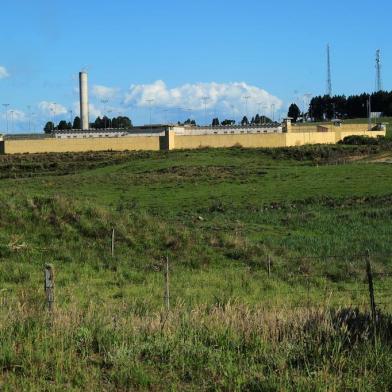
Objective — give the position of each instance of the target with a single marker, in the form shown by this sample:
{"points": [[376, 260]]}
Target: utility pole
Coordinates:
{"points": [[6, 105], [12, 119], [369, 108], [306, 100], [247, 97], [150, 101], [53, 109], [104, 101], [232, 112], [273, 112], [205, 99], [329, 74], [29, 116], [378, 71], [264, 107]]}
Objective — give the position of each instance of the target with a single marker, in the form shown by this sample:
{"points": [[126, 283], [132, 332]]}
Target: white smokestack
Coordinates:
{"points": [[83, 89]]}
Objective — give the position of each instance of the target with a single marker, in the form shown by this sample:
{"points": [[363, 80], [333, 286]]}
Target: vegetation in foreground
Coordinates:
{"points": [[267, 251]]}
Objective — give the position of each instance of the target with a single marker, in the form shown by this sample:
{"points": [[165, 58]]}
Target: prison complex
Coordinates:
{"points": [[169, 137]]}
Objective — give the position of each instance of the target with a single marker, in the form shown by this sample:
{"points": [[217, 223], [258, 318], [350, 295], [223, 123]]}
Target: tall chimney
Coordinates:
{"points": [[83, 89]]}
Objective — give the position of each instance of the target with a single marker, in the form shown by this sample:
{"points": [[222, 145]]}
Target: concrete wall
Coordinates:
{"points": [[151, 143], [172, 141], [245, 140]]}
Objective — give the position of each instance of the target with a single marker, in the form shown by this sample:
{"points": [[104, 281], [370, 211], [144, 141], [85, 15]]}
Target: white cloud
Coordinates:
{"points": [[103, 92], [95, 111], [3, 72], [225, 97], [50, 108], [14, 115]]}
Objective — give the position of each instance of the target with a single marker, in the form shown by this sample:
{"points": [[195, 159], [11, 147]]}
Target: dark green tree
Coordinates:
{"points": [[228, 122], [49, 127], [77, 124], [245, 121], [189, 122], [125, 122], [62, 125], [215, 122], [294, 112]]}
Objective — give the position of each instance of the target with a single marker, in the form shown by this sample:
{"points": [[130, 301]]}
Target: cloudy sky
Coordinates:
{"points": [[176, 59]]}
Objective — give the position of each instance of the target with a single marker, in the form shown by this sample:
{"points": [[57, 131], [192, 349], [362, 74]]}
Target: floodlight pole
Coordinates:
{"points": [[6, 105], [150, 101], [104, 101], [12, 119], [205, 99], [369, 107], [246, 105]]}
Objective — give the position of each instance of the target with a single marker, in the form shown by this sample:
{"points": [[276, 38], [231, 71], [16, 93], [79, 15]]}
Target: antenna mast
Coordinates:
{"points": [[378, 71], [329, 77]]}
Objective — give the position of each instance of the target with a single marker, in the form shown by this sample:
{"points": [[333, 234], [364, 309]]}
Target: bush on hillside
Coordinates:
{"points": [[358, 140]]}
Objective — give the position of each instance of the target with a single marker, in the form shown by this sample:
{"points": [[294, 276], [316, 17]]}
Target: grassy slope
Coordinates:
{"points": [[219, 215]]}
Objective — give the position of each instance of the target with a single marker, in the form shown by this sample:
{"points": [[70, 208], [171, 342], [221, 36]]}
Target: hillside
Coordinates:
{"points": [[267, 252]]}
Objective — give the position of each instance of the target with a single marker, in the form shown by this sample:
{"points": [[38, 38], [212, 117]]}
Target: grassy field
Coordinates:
{"points": [[267, 252]]}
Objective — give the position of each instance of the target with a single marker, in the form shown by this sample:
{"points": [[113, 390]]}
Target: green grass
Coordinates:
{"points": [[219, 215]]}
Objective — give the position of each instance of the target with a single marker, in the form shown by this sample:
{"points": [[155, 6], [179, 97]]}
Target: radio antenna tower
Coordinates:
{"points": [[378, 71], [329, 77]]}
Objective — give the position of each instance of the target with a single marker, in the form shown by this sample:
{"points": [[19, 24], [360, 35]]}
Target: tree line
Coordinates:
{"points": [[342, 107], [255, 120], [120, 122]]}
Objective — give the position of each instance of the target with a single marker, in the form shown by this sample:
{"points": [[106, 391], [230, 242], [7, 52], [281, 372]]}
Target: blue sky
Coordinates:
{"points": [[175, 52]]}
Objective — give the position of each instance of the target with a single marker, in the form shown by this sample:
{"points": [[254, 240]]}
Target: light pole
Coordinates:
{"points": [[232, 112], [189, 111], [6, 105], [205, 100], [32, 119], [264, 107], [273, 112], [29, 114], [306, 97], [12, 119], [53, 113], [246, 105], [104, 101], [150, 101], [110, 120]]}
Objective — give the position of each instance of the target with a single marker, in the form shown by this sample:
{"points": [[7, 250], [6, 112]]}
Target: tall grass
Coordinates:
{"points": [[234, 347], [219, 216]]}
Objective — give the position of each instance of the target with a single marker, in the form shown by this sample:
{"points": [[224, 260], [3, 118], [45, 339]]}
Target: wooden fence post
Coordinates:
{"points": [[269, 266], [49, 286], [113, 242], [371, 294], [167, 288]]}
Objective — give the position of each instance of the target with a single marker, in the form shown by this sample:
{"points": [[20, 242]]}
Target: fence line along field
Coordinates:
{"points": [[227, 269]]}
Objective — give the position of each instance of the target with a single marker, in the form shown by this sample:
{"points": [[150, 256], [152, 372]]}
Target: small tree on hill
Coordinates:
{"points": [[245, 121], [215, 122], [77, 124], [62, 125], [49, 127], [294, 112]]}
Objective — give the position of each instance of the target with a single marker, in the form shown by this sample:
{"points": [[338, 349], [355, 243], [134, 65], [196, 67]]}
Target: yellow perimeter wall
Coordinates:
{"points": [[267, 140], [171, 141], [150, 143]]}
